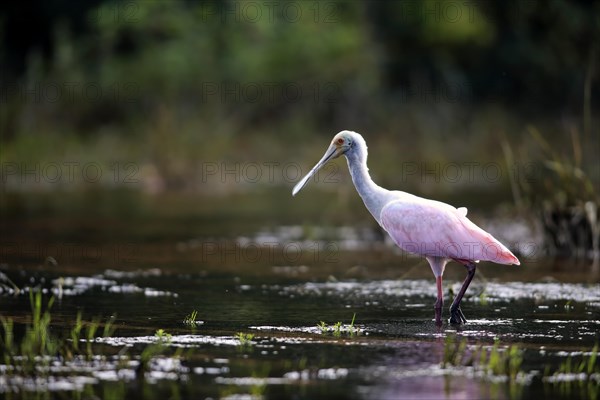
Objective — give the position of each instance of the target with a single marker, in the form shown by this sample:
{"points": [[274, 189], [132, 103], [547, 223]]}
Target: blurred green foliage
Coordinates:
{"points": [[169, 85]]}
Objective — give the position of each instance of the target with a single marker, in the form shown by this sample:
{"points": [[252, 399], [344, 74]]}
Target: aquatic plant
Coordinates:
{"points": [[338, 328], [507, 362], [9, 286], [351, 328], [453, 352], [571, 375], [244, 338], [162, 336], [190, 319], [245, 341], [563, 196], [586, 369], [158, 348], [323, 327], [503, 361], [40, 344]]}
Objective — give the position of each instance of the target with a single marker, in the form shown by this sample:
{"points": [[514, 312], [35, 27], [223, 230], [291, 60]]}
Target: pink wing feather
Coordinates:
{"points": [[432, 228]]}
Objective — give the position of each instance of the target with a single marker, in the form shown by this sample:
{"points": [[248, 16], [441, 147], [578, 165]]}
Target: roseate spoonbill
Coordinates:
{"points": [[435, 230]]}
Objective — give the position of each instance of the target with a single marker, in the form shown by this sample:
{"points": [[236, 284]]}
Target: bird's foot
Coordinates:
{"points": [[457, 316]]}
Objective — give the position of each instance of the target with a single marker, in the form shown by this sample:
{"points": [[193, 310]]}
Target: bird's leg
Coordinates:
{"points": [[456, 314], [439, 303]]}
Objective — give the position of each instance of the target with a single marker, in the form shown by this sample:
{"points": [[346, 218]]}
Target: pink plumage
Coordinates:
{"points": [[435, 230]]}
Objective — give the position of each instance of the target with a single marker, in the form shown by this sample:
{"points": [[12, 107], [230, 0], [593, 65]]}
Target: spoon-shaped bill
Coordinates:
{"points": [[332, 152]]}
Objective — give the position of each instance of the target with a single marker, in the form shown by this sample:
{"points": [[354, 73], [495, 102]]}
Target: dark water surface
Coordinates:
{"points": [[276, 280]]}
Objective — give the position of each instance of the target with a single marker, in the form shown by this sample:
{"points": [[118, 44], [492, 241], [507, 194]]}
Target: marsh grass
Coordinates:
{"points": [[339, 328], [503, 361], [351, 329], [245, 341], [40, 344], [163, 337], [160, 347], [191, 320], [585, 368], [6, 284], [580, 377], [559, 191], [30, 354], [244, 338]]}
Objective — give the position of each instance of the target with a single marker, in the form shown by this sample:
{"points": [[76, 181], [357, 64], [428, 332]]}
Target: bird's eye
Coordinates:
{"points": [[340, 141]]}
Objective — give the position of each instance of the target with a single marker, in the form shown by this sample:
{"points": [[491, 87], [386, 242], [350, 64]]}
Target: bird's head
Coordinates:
{"points": [[342, 143]]}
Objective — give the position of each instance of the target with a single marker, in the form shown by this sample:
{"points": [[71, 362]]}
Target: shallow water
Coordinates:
{"points": [[277, 284]]}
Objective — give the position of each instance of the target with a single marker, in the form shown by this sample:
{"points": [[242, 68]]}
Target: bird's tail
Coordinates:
{"points": [[494, 251], [504, 255], [510, 258]]}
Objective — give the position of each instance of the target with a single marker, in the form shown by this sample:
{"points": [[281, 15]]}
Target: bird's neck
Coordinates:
{"points": [[373, 195]]}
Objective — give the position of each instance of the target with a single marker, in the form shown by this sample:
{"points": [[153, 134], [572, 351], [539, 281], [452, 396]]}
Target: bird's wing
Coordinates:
{"points": [[432, 228]]}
